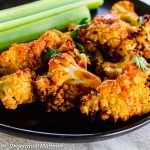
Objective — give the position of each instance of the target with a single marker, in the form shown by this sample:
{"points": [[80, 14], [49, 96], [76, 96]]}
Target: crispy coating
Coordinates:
{"points": [[49, 83], [142, 38], [126, 51], [64, 84], [119, 99], [138, 42], [64, 69], [105, 30], [67, 97], [59, 98], [111, 63], [16, 89], [20, 56], [58, 40], [80, 58], [125, 9], [45, 87], [28, 55]]}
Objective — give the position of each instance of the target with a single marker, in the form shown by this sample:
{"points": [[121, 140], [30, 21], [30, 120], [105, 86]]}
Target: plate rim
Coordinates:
{"points": [[72, 138]]}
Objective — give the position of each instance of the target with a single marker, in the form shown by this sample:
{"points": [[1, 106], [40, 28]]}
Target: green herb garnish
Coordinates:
{"points": [[80, 47], [74, 34], [142, 20], [140, 62], [50, 53], [83, 22]]}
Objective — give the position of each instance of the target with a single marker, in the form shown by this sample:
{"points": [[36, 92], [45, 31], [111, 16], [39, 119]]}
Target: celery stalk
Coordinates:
{"points": [[40, 6], [33, 30], [25, 20], [31, 8], [93, 4]]}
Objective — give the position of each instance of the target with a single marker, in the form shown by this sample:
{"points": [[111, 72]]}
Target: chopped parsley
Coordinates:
{"points": [[140, 62], [80, 47], [142, 20], [83, 22], [74, 34], [50, 53]]}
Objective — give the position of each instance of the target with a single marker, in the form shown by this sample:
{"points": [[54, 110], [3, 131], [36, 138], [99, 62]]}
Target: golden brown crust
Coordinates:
{"points": [[28, 55], [16, 89], [45, 87], [105, 30], [58, 98], [64, 69], [142, 38], [122, 98], [125, 10], [21, 56], [67, 97], [64, 84], [58, 40]]}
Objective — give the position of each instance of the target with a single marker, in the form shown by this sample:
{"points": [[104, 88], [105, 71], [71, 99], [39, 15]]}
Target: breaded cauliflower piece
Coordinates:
{"points": [[125, 9], [55, 39], [126, 50], [142, 38], [137, 42], [59, 98], [80, 58], [64, 84], [28, 55], [64, 69], [16, 89], [67, 97], [119, 99], [21, 56], [105, 30], [45, 87]]}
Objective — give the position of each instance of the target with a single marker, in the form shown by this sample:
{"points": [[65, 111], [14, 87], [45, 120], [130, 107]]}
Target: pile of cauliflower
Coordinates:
{"points": [[96, 71]]}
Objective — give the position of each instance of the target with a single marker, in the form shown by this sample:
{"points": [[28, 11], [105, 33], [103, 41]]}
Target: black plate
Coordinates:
{"points": [[31, 121]]}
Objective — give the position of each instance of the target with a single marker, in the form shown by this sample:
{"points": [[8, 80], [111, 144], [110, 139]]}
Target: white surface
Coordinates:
{"points": [[146, 1], [137, 140]]}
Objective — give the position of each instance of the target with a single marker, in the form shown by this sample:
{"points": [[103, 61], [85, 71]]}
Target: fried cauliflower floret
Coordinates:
{"points": [[139, 42], [119, 99], [125, 9], [28, 55], [16, 89], [64, 69], [105, 30], [55, 39], [80, 58], [45, 87], [142, 37], [67, 97], [58, 98], [64, 83], [126, 51], [18, 56]]}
